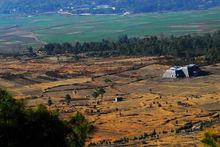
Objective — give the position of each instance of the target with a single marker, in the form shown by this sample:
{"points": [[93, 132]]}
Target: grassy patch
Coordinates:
{"points": [[59, 28]]}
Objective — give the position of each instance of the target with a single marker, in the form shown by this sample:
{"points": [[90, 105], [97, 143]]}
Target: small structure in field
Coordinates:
{"points": [[191, 70], [119, 99]]}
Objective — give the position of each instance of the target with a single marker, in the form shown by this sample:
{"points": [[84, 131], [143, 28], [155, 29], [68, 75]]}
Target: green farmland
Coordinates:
{"points": [[17, 32]]}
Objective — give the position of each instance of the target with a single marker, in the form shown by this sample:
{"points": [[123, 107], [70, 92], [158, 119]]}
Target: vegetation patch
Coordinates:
{"points": [[21, 126]]}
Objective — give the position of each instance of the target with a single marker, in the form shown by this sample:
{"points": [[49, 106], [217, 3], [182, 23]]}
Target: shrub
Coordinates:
{"points": [[49, 102], [68, 99], [211, 139]]}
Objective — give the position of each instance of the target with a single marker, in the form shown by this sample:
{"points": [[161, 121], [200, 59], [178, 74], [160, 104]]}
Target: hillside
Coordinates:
{"points": [[102, 6], [149, 102]]}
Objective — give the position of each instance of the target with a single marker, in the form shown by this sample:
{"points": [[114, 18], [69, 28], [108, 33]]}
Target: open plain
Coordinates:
{"points": [[21, 31]]}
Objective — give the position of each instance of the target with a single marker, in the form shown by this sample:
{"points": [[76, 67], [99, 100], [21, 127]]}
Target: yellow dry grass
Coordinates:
{"points": [[44, 86], [150, 102]]}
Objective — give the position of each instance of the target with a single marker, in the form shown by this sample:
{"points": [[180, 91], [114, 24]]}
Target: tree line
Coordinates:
{"points": [[184, 47], [25, 127]]}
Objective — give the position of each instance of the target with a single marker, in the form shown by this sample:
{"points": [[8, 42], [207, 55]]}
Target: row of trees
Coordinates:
{"points": [[21, 126], [187, 47]]}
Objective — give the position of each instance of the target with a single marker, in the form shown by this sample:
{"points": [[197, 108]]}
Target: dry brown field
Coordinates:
{"points": [[149, 104]]}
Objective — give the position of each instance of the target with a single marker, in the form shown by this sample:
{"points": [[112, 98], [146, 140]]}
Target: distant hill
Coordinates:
{"points": [[102, 6]]}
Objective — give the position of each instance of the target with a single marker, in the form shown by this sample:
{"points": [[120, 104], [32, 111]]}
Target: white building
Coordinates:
{"points": [[190, 70]]}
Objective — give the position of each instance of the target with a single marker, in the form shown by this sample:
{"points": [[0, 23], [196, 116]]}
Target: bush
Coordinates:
{"points": [[80, 127], [20, 126], [108, 80], [49, 102], [211, 139], [68, 99]]}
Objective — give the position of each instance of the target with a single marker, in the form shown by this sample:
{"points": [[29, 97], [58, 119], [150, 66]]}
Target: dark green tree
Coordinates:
{"points": [[95, 94], [20, 126], [68, 99], [213, 55], [49, 102], [211, 139], [101, 92], [81, 128]]}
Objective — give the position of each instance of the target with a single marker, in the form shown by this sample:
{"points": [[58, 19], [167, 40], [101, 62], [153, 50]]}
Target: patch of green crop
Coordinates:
{"points": [[59, 28]]}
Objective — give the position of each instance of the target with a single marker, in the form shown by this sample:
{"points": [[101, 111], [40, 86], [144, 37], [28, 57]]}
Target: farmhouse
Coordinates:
{"points": [[191, 70], [174, 72], [119, 99]]}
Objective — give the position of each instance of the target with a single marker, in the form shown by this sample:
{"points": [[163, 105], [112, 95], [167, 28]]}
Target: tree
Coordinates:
{"points": [[95, 94], [98, 92], [44, 128], [81, 127], [211, 139], [68, 99], [213, 55], [21, 126], [184, 48], [49, 102], [101, 91], [11, 111], [76, 58], [31, 51]]}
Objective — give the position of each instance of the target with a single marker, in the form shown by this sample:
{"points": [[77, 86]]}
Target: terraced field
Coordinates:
{"points": [[17, 31], [149, 101]]}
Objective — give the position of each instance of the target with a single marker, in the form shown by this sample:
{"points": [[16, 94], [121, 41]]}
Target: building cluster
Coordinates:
{"points": [[191, 70]]}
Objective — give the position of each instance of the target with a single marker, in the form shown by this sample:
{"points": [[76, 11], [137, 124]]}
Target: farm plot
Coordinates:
{"points": [[19, 32]]}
